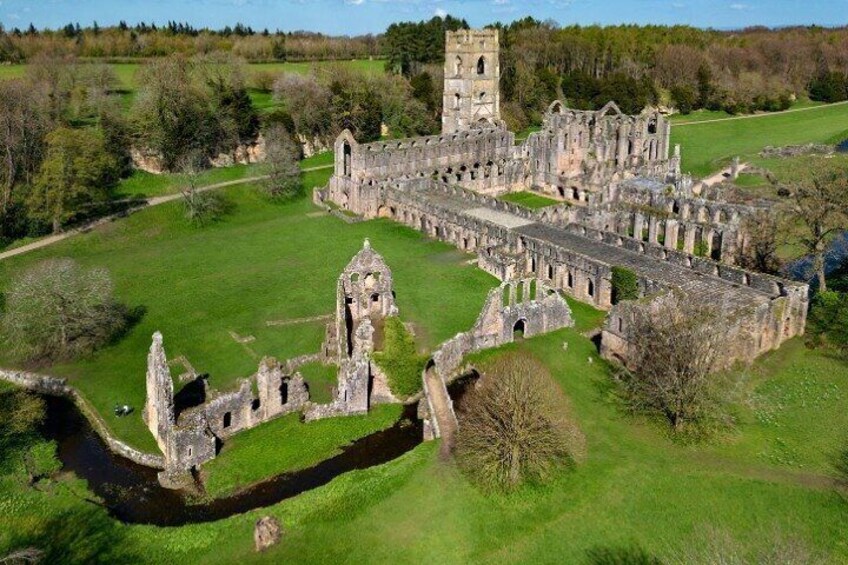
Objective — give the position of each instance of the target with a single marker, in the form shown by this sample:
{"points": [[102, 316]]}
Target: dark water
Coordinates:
{"points": [[836, 252], [842, 147], [132, 494]]}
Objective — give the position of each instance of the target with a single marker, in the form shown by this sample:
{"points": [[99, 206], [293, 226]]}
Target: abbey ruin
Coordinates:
{"points": [[624, 203], [191, 435]]}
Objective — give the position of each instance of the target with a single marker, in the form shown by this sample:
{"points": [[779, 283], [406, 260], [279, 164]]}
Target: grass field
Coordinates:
{"points": [[264, 262], [708, 146], [286, 445], [637, 488], [529, 200]]}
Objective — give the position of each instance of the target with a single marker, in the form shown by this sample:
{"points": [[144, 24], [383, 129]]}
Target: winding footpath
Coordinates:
{"points": [[150, 202]]}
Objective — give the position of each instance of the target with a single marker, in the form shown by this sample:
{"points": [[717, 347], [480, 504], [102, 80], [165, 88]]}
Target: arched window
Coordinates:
{"points": [[456, 101], [458, 64], [481, 66], [347, 152]]}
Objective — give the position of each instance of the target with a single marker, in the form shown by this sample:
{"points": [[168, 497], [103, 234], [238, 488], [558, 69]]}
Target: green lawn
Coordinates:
{"points": [[264, 262], [529, 200], [709, 146], [637, 488], [285, 445], [145, 185]]}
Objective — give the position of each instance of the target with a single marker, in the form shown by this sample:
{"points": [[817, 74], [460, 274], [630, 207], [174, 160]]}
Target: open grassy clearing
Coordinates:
{"points": [[265, 262], [636, 488], [146, 185], [529, 200], [286, 445], [707, 147], [710, 115]]}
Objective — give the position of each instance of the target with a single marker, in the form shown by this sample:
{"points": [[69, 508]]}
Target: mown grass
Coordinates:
{"points": [[637, 488], [285, 445], [263, 262], [529, 200], [146, 185], [709, 146], [321, 379]]}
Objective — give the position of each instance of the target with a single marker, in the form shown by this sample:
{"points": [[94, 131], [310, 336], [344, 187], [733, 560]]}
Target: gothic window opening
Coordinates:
{"points": [[481, 66]]}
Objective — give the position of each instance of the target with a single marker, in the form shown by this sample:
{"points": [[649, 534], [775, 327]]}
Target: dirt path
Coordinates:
{"points": [[440, 403], [155, 201], [723, 175], [754, 116]]}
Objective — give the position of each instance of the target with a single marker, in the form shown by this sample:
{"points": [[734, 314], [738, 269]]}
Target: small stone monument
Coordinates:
{"points": [[267, 533]]}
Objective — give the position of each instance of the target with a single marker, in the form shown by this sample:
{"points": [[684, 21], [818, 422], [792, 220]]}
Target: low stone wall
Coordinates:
{"points": [[53, 386]]}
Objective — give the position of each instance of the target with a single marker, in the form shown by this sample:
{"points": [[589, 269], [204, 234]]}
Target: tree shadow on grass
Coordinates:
{"points": [[621, 555], [84, 534], [131, 318]]}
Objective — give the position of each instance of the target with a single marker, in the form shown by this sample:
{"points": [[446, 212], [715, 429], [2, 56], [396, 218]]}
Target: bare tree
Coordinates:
{"points": [[281, 162], [24, 122], [516, 425], [821, 207], [57, 309], [673, 351], [762, 237], [201, 206]]}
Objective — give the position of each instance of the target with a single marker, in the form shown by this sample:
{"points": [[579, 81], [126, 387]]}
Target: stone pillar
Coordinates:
{"points": [[689, 240], [638, 226], [734, 168], [653, 229], [708, 242], [671, 227]]}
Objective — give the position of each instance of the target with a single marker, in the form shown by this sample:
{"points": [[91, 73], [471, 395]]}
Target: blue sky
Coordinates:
{"points": [[372, 16]]}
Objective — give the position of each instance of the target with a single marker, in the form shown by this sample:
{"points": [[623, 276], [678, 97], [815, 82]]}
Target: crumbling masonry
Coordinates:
{"points": [[624, 203], [365, 297]]}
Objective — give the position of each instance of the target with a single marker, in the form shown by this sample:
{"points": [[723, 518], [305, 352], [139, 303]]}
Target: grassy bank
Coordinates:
{"points": [[286, 445], [637, 489], [710, 145]]}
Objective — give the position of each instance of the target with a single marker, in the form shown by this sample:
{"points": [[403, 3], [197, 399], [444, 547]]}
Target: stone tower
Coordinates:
{"points": [[472, 80], [159, 409]]}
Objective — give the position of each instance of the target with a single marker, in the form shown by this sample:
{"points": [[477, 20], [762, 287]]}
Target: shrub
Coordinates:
{"points": [[625, 285], [516, 425], [399, 359], [827, 324], [57, 309], [204, 207]]}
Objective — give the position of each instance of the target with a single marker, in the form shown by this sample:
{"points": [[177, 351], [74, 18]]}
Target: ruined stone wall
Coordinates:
{"points": [[657, 213], [485, 160], [748, 332], [577, 154]]}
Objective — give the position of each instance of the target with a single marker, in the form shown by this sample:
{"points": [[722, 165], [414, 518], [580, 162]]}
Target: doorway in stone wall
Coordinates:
{"points": [[519, 329]]}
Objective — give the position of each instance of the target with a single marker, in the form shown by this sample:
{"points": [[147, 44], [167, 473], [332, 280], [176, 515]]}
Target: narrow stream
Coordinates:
{"points": [[132, 494]]}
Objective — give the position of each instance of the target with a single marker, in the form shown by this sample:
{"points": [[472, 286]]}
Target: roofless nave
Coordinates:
{"points": [[624, 203]]}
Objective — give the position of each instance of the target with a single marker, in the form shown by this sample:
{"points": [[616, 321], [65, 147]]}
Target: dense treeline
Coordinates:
{"points": [[66, 137], [685, 67], [148, 40]]}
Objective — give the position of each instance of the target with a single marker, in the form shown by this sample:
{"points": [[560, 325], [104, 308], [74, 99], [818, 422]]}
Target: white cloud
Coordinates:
{"points": [[441, 12], [740, 7]]}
